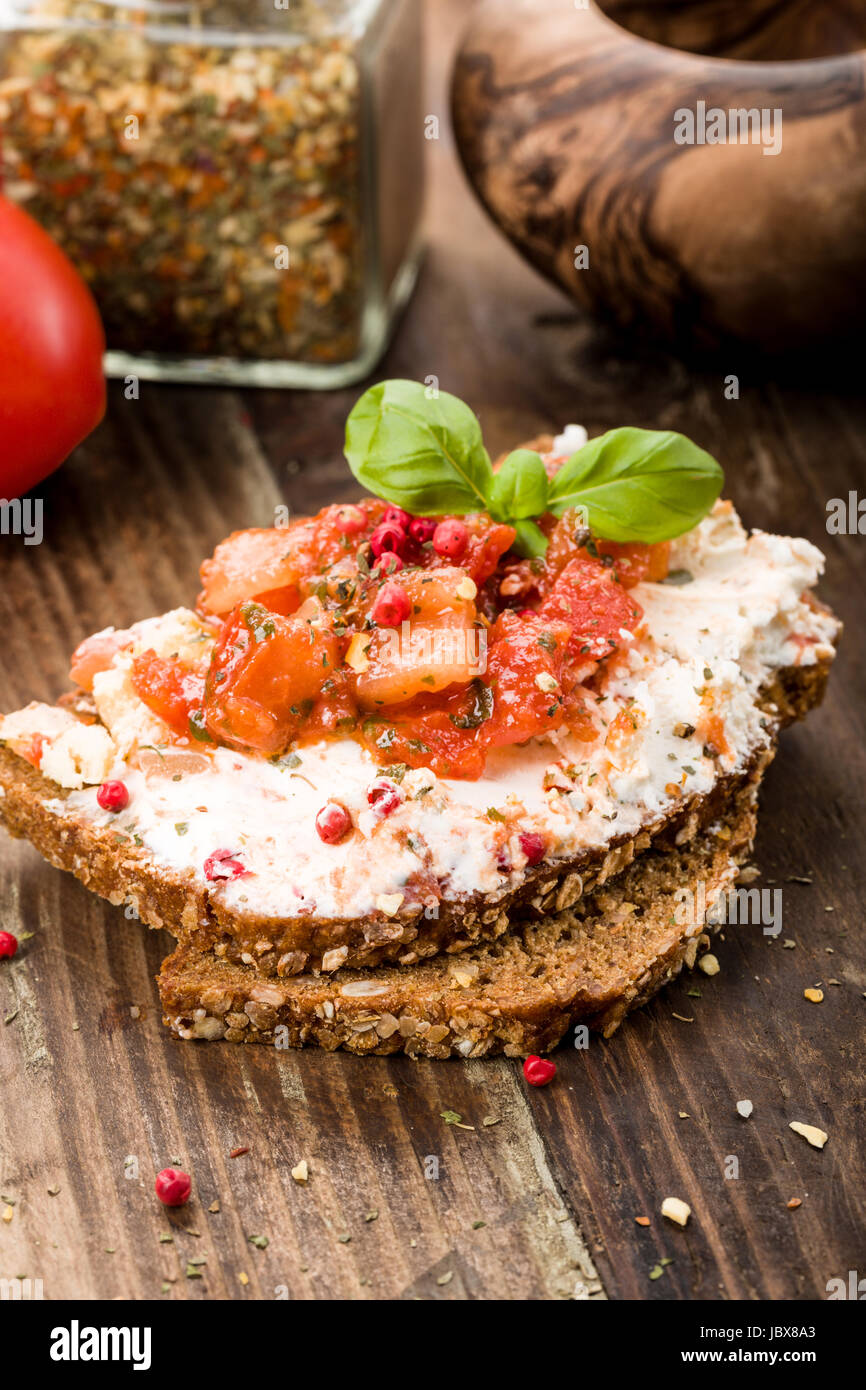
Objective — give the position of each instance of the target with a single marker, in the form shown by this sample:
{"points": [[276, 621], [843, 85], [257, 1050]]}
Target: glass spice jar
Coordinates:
{"points": [[239, 181]]}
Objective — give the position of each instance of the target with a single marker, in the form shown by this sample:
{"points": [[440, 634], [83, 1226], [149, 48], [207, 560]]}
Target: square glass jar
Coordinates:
{"points": [[240, 182]]}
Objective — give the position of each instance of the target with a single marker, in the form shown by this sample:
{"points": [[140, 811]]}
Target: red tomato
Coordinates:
{"points": [[167, 688], [596, 607], [265, 676], [635, 562], [52, 389]]}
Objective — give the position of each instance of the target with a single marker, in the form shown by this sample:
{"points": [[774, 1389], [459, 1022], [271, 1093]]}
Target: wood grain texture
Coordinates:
{"points": [[566, 123], [560, 1179]]}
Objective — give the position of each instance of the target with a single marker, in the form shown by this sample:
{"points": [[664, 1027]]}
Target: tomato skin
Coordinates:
{"points": [[52, 387]]}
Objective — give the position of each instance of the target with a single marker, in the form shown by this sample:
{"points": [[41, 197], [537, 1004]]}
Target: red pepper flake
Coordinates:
{"points": [[794, 1203], [642, 1220], [539, 1071], [236, 1153]]}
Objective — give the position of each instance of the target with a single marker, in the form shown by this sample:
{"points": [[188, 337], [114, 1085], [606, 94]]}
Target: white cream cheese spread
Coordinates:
{"points": [[672, 715]]}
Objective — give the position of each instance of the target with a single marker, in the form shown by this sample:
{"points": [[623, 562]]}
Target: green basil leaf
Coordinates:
{"points": [[530, 540], [519, 489], [421, 452], [638, 485]]}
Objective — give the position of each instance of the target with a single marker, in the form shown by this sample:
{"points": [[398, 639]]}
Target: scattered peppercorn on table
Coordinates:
{"points": [[335, 1176]]}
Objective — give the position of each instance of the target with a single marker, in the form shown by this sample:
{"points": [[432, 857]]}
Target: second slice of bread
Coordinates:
{"points": [[517, 995]]}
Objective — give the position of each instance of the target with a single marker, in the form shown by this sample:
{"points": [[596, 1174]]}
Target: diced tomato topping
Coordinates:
{"points": [[712, 730], [285, 600], [488, 541], [260, 561], [635, 563], [632, 561], [428, 732], [32, 753], [519, 696], [440, 648], [459, 654], [95, 654], [596, 607], [168, 688], [266, 673], [525, 672]]}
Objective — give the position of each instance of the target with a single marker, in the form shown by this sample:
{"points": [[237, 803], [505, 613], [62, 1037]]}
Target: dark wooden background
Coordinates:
{"points": [[396, 1197]]}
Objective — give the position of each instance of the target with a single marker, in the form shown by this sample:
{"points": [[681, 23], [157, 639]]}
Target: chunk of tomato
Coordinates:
{"points": [[268, 561], [596, 607], [633, 561], [96, 654], [488, 542], [168, 688], [526, 671], [436, 647], [266, 673], [430, 733]]}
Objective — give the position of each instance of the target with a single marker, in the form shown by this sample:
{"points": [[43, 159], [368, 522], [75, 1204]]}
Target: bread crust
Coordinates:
{"points": [[109, 865], [591, 964]]}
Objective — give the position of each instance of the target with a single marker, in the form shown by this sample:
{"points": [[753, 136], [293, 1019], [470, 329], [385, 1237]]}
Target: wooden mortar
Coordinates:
{"points": [[566, 124]]}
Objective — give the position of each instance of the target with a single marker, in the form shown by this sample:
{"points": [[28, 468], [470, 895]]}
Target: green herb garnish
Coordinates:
{"points": [[482, 707], [426, 453]]}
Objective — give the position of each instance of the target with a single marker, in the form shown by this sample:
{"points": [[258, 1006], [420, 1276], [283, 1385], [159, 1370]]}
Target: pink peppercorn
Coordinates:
{"points": [[350, 520], [395, 516], [384, 796], [392, 606], [8, 945], [422, 529], [222, 865], [450, 539], [333, 823], [113, 796], [172, 1187], [533, 846], [387, 536], [538, 1071], [388, 563]]}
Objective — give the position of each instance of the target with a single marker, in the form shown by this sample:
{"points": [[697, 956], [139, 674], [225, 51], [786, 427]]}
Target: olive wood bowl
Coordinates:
{"points": [[565, 117]]}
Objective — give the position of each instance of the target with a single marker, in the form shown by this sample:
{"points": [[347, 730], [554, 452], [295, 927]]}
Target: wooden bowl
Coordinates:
{"points": [[568, 126]]}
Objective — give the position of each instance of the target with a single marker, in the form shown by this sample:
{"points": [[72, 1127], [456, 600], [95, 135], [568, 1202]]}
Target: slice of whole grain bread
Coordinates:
{"points": [[517, 995], [185, 904]]}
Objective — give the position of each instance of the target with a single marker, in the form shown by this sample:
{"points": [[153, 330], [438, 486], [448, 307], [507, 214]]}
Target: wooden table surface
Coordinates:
{"points": [[96, 1097]]}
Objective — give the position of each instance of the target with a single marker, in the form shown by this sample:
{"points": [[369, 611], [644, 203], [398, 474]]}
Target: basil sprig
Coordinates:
{"points": [[638, 485], [423, 451]]}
